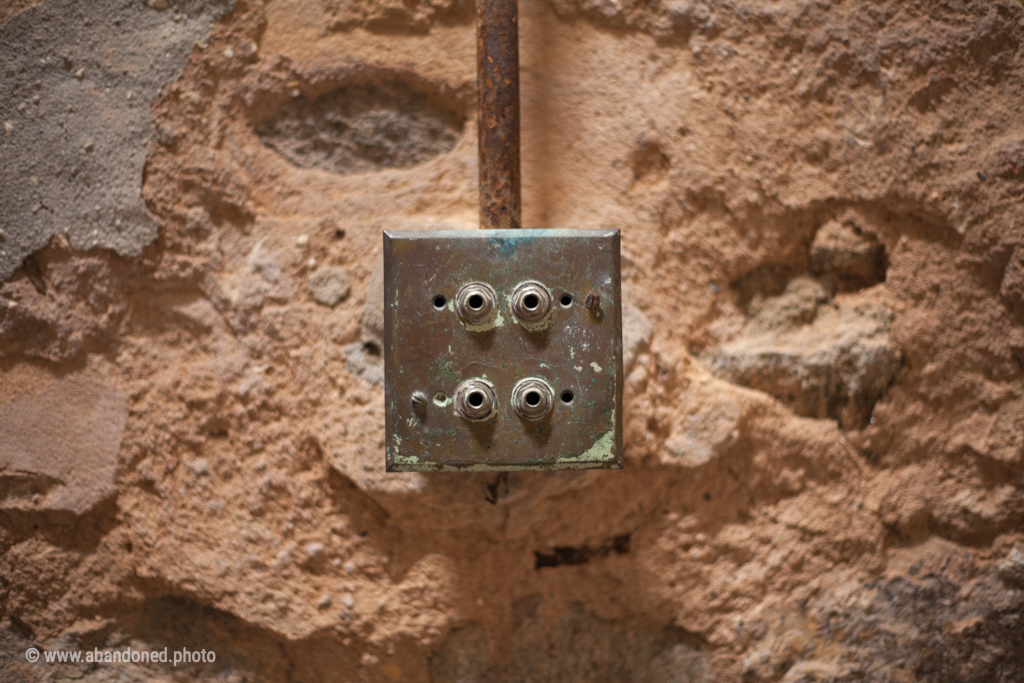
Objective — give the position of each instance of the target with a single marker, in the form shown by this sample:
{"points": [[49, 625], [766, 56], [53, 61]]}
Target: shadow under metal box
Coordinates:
{"points": [[503, 350]]}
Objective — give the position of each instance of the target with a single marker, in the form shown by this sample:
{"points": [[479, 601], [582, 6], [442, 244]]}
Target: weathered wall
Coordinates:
{"points": [[823, 249]]}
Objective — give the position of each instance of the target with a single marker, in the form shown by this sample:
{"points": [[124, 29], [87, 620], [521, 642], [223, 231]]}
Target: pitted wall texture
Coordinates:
{"points": [[823, 271]]}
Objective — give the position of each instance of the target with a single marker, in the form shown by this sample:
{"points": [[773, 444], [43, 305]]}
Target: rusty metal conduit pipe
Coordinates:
{"points": [[497, 81]]}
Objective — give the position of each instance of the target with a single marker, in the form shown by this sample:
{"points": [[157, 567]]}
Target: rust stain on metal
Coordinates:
{"points": [[498, 113], [593, 302], [557, 390]]}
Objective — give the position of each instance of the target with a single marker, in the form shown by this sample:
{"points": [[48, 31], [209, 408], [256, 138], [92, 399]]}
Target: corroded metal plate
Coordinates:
{"points": [[430, 350]]}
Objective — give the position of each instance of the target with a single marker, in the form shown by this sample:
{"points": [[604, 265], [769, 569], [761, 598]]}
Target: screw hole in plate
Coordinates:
{"points": [[440, 301], [566, 300], [567, 397]]}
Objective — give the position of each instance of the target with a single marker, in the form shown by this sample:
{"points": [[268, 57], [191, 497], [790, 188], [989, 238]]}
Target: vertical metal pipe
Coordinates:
{"points": [[497, 56]]}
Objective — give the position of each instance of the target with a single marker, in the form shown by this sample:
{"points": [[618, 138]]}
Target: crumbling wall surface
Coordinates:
{"points": [[823, 251]]}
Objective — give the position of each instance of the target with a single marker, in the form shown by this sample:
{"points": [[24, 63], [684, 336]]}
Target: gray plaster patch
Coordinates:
{"points": [[636, 334], [76, 83], [329, 285], [363, 128], [59, 448], [373, 310], [365, 360]]}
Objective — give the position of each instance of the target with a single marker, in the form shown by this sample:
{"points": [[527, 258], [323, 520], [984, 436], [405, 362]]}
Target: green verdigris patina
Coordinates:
{"points": [[430, 351]]}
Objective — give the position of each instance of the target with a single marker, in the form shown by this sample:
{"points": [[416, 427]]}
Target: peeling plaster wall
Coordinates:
{"points": [[76, 86]]}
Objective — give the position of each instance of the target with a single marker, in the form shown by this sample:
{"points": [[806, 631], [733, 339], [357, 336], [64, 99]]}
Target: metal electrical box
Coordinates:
{"points": [[503, 350]]}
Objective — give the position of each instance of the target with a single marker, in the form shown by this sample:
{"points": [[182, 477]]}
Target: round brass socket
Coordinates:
{"points": [[476, 303], [475, 400], [531, 302], [532, 398]]}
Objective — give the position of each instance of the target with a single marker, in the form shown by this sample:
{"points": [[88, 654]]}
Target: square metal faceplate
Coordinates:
{"points": [[572, 358]]}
